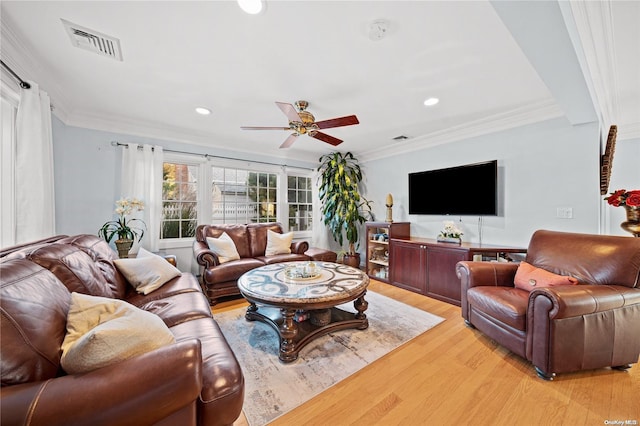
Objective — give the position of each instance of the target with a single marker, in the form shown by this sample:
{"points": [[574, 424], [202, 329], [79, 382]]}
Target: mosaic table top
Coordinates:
{"points": [[303, 282]]}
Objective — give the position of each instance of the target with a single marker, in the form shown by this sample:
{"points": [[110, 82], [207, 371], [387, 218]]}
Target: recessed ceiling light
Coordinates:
{"points": [[203, 111], [252, 7], [431, 101]]}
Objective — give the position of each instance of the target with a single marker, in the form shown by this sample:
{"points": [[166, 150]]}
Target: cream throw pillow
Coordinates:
{"points": [[223, 247], [147, 272], [103, 331], [278, 243]]}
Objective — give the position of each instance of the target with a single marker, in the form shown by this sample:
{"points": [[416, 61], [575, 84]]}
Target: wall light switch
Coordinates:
{"points": [[564, 212]]}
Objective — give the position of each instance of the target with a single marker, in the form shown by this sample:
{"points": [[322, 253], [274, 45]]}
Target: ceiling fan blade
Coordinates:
{"points": [[290, 111], [326, 138], [338, 122], [289, 141], [263, 128]]}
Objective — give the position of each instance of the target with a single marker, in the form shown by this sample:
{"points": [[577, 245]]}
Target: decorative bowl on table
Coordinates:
{"points": [[306, 271]]}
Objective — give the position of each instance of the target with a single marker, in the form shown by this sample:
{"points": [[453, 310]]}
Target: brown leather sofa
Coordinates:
{"points": [[567, 328], [221, 279], [196, 381]]}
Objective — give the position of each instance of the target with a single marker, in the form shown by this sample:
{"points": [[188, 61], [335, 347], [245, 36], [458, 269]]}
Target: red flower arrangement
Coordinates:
{"points": [[622, 197]]}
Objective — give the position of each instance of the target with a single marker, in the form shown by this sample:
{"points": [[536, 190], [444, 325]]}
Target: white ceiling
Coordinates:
{"points": [[493, 66]]}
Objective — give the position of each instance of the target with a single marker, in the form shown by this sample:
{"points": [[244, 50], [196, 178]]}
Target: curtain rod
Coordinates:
{"points": [[207, 156], [22, 83]]}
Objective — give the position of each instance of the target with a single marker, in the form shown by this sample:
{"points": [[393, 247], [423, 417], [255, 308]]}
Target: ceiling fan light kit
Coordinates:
{"points": [[303, 122]]}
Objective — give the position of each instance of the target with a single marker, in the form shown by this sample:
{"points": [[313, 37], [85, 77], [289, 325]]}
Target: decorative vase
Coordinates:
{"points": [[123, 247], [454, 240], [632, 224]]}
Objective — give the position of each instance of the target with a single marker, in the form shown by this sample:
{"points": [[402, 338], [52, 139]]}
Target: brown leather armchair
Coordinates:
{"points": [[562, 329]]}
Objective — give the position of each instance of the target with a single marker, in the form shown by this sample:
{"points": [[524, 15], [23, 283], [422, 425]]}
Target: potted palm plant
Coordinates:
{"points": [[343, 208]]}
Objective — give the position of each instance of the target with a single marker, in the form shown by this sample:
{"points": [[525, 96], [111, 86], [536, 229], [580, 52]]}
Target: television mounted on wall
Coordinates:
{"points": [[467, 190]]}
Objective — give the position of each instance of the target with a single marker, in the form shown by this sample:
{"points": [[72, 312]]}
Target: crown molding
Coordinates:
{"points": [[533, 113], [594, 23], [154, 130], [628, 131]]}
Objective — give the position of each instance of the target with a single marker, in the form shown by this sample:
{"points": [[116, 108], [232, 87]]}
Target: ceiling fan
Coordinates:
{"points": [[303, 122]]}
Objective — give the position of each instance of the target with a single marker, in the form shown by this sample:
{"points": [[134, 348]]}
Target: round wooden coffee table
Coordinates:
{"points": [[299, 299]]}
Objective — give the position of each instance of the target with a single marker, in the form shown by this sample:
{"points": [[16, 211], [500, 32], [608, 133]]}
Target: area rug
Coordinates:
{"points": [[273, 388]]}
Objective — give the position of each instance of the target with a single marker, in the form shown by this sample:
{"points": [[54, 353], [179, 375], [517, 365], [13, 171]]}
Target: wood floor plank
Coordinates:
{"points": [[453, 374]]}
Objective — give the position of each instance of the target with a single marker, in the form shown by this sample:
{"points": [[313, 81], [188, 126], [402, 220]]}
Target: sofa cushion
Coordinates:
{"points": [[231, 271], [179, 308], [34, 305], [101, 253], [223, 247], [147, 272], [506, 304], [73, 267], [238, 234], [103, 331], [258, 236], [278, 243], [528, 278]]}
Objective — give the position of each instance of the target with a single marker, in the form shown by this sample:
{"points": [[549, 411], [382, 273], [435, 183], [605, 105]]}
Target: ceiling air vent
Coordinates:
{"points": [[401, 138], [94, 41]]}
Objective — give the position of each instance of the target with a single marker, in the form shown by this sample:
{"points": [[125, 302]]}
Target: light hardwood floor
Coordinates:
{"points": [[455, 375]]}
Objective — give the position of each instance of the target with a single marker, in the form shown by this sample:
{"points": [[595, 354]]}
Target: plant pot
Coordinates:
{"points": [[454, 240], [632, 224], [352, 260], [123, 247]]}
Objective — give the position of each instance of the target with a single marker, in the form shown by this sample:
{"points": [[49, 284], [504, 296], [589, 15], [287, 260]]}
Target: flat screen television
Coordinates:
{"points": [[470, 190]]}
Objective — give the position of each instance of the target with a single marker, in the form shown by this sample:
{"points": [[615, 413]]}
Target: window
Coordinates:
{"points": [[243, 196], [179, 200], [300, 202], [236, 193]]}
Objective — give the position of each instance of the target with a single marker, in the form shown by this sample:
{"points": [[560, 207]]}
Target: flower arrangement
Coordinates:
{"points": [[125, 229], [622, 197], [450, 230]]}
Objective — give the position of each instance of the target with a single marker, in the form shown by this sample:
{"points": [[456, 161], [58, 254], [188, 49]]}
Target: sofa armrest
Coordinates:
{"points": [[570, 327], [578, 300], [475, 274], [141, 390], [204, 256], [299, 247]]}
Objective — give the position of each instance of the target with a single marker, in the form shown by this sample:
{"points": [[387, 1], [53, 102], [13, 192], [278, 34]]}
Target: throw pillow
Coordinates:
{"points": [[147, 272], [223, 247], [278, 243], [103, 331], [528, 277]]}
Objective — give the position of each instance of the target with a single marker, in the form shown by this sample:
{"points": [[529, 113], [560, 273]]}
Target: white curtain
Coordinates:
{"points": [[142, 179], [35, 202]]}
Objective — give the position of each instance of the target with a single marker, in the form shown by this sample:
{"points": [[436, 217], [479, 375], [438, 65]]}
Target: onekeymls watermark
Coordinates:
{"points": [[620, 422]]}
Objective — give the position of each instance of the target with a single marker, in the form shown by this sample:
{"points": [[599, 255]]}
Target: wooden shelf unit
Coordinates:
{"points": [[427, 266], [379, 259]]}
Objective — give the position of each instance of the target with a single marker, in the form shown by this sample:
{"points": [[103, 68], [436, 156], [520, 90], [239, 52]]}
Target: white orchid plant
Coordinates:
{"points": [[450, 230], [125, 229]]}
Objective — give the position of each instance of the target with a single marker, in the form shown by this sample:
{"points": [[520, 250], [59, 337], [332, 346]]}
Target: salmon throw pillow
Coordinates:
{"points": [[528, 277]]}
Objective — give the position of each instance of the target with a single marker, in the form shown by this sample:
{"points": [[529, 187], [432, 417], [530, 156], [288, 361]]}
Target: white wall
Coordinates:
{"points": [[87, 178], [541, 167]]}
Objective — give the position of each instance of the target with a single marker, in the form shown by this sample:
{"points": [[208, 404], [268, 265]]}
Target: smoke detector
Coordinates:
{"points": [[93, 41], [378, 29]]}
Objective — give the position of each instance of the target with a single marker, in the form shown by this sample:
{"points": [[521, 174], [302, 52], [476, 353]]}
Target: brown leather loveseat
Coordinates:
{"points": [[221, 279], [566, 328], [194, 381]]}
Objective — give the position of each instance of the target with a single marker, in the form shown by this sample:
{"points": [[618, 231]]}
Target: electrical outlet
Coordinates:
{"points": [[564, 212]]}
